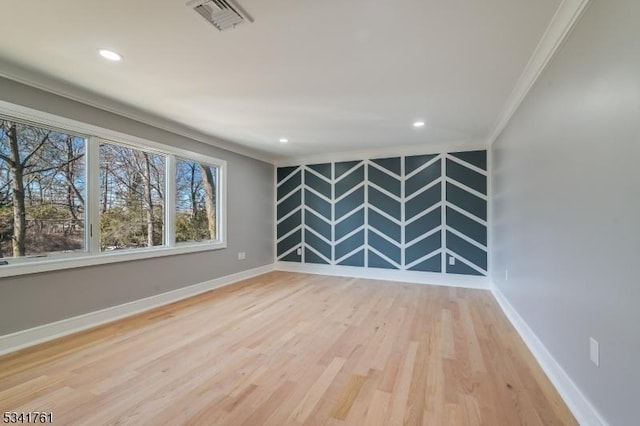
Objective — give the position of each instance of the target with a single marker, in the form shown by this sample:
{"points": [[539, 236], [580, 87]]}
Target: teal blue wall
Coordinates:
{"points": [[406, 213]]}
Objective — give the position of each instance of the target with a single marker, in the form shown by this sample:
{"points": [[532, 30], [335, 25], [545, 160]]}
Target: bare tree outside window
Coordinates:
{"points": [[132, 188], [42, 190], [46, 204], [195, 201]]}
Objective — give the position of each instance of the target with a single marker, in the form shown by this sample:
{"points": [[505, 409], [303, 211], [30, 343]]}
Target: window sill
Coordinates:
{"points": [[59, 263]]}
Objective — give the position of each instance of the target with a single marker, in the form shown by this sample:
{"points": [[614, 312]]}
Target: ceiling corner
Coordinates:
{"points": [[563, 21]]}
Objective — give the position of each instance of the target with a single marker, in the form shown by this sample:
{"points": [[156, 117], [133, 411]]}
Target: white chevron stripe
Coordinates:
{"points": [[466, 213], [348, 172], [351, 253], [466, 238], [383, 256], [384, 236], [466, 188], [423, 236], [288, 251], [314, 192], [318, 215], [423, 258], [293, 231], [290, 176], [288, 215], [385, 171], [333, 213], [403, 208], [465, 261], [443, 216], [349, 235], [423, 213], [308, 247], [349, 214], [385, 214], [424, 166], [289, 194], [366, 216], [304, 233], [467, 165], [423, 189], [384, 191], [311, 230], [319, 175], [349, 192]]}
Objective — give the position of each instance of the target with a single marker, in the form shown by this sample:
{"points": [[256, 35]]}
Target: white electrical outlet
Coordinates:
{"points": [[299, 251], [594, 350], [242, 255], [506, 275], [452, 260]]}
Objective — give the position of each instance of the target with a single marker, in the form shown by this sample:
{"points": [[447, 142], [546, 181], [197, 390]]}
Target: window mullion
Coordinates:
{"points": [[93, 195], [170, 201], [221, 203]]}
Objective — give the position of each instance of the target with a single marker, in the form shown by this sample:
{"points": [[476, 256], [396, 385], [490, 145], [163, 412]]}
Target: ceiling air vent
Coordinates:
{"points": [[223, 14]]}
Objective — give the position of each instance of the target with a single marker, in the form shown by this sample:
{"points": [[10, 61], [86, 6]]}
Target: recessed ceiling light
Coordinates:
{"points": [[284, 140], [110, 55], [418, 124]]}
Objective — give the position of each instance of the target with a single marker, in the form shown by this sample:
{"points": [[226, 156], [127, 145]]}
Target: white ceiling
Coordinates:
{"points": [[328, 75]]}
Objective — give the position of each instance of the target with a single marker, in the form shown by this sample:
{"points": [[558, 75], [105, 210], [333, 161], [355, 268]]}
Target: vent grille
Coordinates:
{"points": [[222, 14]]}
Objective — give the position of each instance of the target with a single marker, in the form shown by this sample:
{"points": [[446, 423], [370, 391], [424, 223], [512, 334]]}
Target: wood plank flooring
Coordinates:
{"points": [[293, 349]]}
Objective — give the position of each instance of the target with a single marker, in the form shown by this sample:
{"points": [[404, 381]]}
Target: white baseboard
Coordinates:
{"points": [[584, 412], [582, 409], [416, 277], [33, 336]]}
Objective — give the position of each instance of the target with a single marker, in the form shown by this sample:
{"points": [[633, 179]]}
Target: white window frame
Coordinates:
{"points": [[172, 204], [92, 254]]}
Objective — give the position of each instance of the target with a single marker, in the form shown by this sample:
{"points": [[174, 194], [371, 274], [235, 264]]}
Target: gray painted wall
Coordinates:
{"points": [[36, 299], [566, 222]]}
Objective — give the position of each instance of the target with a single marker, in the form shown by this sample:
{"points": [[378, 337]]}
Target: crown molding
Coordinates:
{"points": [[561, 25], [389, 151], [563, 21], [38, 80]]}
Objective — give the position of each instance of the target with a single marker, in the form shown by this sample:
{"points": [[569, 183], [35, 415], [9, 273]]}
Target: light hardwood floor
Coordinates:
{"points": [[287, 348]]}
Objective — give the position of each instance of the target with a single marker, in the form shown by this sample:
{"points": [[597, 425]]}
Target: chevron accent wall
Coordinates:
{"points": [[419, 213], [465, 194]]}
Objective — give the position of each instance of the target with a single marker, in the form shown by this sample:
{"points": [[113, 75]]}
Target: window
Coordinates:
{"points": [[131, 198], [73, 194], [42, 191], [196, 201]]}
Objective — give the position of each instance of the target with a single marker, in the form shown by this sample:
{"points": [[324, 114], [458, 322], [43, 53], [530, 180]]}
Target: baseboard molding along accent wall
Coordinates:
{"points": [[582, 409], [43, 333], [415, 277]]}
